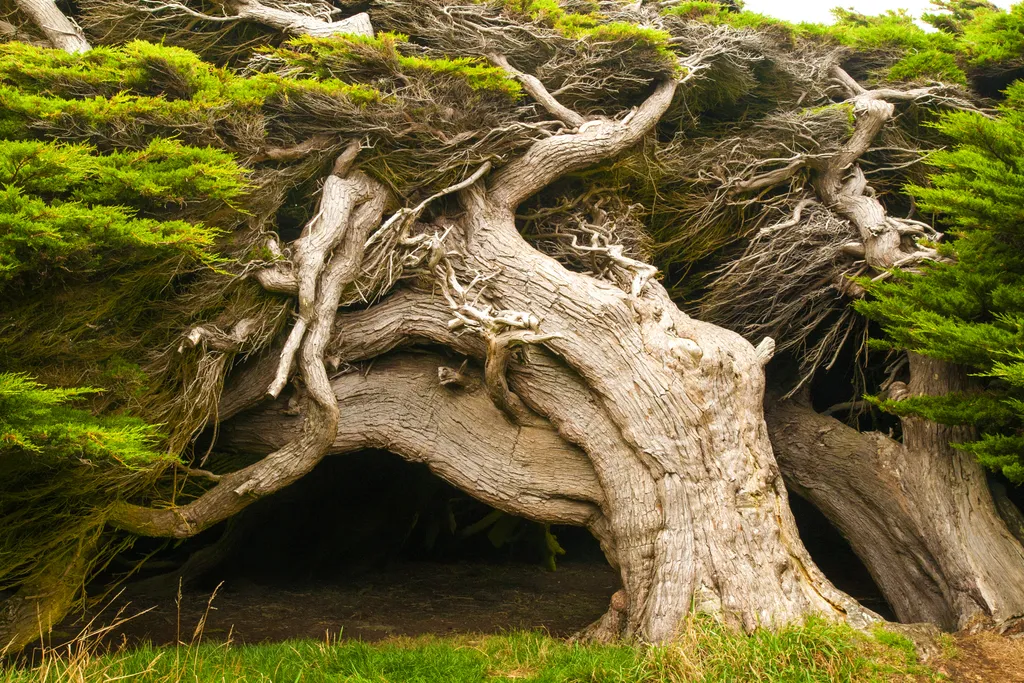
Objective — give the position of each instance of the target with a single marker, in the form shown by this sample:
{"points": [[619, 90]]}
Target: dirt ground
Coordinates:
{"points": [[413, 598], [985, 657]]}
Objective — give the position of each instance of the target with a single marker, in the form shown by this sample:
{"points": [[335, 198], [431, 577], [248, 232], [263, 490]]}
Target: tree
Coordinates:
{"points": [[478, 180]]}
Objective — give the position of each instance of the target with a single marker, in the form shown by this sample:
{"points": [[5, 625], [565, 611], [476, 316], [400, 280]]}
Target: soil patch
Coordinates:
{"points": [[410, 599], [985, 657]]}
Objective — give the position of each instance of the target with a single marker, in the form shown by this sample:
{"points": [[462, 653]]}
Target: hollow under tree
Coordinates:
{"points": [[595, 400]]}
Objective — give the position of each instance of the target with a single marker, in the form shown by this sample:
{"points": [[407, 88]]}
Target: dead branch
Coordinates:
{"points": [[538, 92], [595, 140], [286, 19]]}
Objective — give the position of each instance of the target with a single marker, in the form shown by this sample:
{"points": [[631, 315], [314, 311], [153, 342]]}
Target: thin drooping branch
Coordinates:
{"points": [[768, 178], [62, 32], [500, 347]]}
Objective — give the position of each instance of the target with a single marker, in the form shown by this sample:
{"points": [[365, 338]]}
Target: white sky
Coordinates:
{"points": [[819, 10]]}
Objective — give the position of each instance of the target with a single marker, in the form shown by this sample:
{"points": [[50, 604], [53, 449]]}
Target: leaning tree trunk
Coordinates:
{"points": [[919, 514], [60, 31], [683, 396]]}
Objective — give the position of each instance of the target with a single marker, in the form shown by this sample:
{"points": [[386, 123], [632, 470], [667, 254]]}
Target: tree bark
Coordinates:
{"points": [[294, 23], [399, 404], [63, 33], [919, 514]]}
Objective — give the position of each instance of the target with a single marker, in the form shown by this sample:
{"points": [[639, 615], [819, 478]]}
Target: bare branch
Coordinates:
{"points": [[769, 178], [534, 473], [539, 93], [596, 140], [315, 143], [284, 20]]}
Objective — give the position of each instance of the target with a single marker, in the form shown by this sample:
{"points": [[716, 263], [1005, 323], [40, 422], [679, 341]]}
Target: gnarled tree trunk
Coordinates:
{"points": [[918, 513], [598, 404], [667, 409]]}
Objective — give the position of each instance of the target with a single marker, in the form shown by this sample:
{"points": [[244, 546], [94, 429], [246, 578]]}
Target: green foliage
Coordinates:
{"points": [[971, 312], [915, 54], [551, 13], [125, 96], [720, 13], [928, 65], [952, 16], [892, 29], [816, 652], [35, 419], [360, 57], [94, 248], [60, 467], [994, 39], [504, 529], [587, 24], [66, 210], [101, 245], [906, 51]]}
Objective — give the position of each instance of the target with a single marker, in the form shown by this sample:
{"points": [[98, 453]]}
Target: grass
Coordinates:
{"points": [[816, 651]]}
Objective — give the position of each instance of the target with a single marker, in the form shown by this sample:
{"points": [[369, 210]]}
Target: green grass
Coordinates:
{"points": [[817, 651]]}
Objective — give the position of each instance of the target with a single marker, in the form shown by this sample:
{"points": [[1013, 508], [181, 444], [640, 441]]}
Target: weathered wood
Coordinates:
{"points": [[667, 410], [297, 458], [400, 405], [918, 514], [62, 32], [295, 23]]}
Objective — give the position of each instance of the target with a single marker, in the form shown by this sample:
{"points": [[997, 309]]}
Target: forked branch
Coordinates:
{"points": [[538, 92], [595, 140]]}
